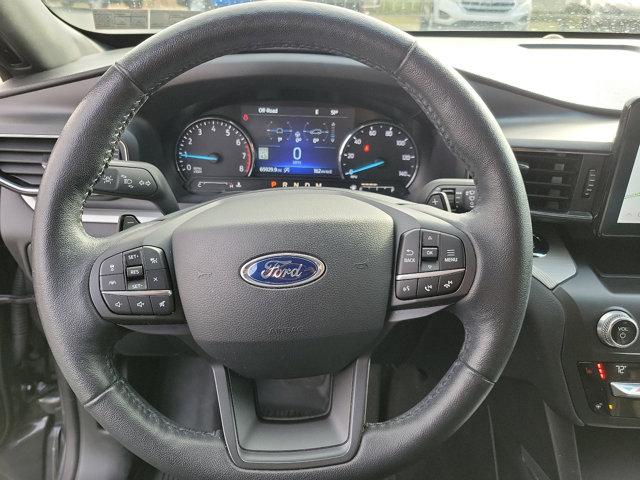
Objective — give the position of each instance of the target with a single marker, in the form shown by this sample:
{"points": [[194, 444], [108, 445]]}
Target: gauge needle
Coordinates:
{"points": [[369, 166], [213, 158]]}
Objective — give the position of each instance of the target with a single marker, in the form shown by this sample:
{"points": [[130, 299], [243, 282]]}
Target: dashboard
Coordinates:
{"points": [[280, 120], [291, 144], [277, 120]]}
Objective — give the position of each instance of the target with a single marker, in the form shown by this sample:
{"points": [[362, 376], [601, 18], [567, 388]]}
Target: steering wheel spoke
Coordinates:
{"points": [[326, 438]]}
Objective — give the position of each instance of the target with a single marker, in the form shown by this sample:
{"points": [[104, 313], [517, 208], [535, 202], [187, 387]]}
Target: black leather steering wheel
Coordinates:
{"points": [[328, 324]]}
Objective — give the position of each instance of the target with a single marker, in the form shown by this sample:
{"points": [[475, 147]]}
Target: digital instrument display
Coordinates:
{"points": [[630, 208], [297, 140], [282, 144]]}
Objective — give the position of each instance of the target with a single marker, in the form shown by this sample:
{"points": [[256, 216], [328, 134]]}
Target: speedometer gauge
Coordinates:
{"points": [[214, 147], [381, 153]]}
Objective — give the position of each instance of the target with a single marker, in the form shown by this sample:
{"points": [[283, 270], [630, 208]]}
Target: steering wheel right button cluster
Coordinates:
{"points": [[430, 264]]}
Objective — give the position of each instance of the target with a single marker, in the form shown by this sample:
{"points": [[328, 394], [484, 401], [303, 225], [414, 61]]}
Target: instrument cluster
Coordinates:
{"points": [[281, 144]]}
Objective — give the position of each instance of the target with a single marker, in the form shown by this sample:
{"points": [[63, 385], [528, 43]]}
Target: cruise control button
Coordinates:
{"points": [[137, 285], [133, 258], [406, 289], [140, 305], [135, 272], [451, 253], [112, 265], [162, 304], [450, 282], [428, 287], [409, 259], [153, 258], [158, 280], [112, 282], [117, 303]]}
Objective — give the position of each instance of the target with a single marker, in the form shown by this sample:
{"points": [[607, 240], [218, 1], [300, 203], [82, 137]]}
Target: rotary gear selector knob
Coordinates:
{"points": [[617, 329]]}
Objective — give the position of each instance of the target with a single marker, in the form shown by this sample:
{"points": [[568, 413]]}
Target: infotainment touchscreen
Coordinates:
{"points": [[621, 214], [630, 208]]}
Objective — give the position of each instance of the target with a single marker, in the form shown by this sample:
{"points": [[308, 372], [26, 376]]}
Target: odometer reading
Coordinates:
{"points": [[214, 147], [380, 153]]}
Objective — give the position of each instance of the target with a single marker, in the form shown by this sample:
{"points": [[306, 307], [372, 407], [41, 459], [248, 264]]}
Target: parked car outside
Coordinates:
{"points": [[476, 14]]}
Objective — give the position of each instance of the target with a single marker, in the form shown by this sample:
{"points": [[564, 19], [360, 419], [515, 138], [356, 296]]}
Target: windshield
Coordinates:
{"points": [[606, 16]]}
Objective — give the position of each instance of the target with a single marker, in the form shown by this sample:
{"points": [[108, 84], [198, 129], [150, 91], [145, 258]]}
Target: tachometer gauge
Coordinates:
{"points": [[214, 147], [381, 153]]}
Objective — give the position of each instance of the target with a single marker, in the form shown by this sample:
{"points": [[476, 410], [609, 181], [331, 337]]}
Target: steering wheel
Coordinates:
{"points": [[345, 266]]}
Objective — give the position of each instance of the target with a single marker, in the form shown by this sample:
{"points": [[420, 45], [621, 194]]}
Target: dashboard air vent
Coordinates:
{"points": [[550, 178], [24, 158]]}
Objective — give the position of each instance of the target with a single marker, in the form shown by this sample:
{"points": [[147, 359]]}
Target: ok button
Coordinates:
{"points": [[409, 255]]}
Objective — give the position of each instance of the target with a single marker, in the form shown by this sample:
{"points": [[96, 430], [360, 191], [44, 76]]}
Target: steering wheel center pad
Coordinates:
{"points": [[301, 331]]}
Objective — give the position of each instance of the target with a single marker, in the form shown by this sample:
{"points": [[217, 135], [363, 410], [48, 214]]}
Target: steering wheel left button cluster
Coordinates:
{"points": [[137, 282]]}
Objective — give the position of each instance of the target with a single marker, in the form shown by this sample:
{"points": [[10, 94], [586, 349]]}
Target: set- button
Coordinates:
{"points": [[137, 282]]}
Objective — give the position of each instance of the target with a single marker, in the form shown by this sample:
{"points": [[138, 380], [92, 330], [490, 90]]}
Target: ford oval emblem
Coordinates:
{"points": [[282, 270]]}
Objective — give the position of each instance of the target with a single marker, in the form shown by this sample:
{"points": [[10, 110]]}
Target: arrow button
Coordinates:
{"points": [[117, 303]]}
